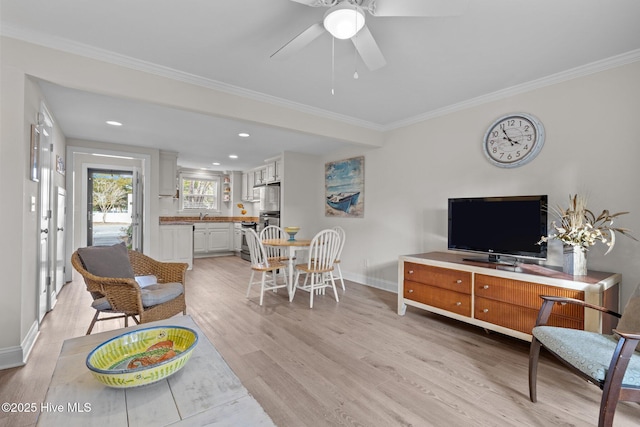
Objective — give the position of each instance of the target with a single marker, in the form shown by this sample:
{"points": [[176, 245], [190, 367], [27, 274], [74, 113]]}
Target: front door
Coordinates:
{"points": [[110, 207]]}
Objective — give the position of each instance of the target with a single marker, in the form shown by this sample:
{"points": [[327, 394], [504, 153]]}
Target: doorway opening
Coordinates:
{"points": [[110, 207]]}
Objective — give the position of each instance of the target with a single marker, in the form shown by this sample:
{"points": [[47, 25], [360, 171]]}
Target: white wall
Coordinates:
{"points": [[20, 103], [301, 198], [592, 147]]}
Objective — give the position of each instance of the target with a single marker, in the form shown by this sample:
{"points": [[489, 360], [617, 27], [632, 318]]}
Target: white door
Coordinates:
{"points": [[46, 296], [136, 211], [60, 219]]}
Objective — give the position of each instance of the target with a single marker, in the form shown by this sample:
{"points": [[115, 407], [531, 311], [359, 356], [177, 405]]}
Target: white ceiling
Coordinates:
{"points": [[433, 64]]}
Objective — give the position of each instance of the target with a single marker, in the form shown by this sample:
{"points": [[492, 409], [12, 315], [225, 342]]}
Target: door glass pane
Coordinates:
{"points": [[112, 207]]}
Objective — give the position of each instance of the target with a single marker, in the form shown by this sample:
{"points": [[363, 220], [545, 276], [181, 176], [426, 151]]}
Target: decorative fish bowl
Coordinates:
{"points": [[142, 357], [292, 231]]}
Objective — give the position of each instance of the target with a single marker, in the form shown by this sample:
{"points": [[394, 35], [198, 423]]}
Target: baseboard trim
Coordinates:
{"points": [[385, 285], [12, 357]]}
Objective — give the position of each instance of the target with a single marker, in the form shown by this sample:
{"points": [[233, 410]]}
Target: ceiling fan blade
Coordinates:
{"points": [[368, 49], [314, 3], [419, 7], [299, 41]]}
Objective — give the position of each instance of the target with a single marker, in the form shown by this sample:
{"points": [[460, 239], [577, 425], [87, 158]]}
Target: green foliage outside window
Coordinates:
{"points": [[110, 193], [200, 193]]}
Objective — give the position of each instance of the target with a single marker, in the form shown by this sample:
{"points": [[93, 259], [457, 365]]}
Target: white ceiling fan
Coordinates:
{"points": [[345, 19]]}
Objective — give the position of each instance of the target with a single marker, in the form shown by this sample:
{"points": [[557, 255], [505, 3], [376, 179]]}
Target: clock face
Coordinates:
{"points": [[513, 140]]}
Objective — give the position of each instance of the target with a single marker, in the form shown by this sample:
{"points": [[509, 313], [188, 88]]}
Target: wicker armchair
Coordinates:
{"points": [[124, 295]]}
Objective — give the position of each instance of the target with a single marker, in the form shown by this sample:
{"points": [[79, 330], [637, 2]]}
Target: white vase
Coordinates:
{"points": [[574, 260]]}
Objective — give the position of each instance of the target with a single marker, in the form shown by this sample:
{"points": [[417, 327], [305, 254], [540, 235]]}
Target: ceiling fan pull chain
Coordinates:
{"points": [[333, 64], [355, 51]]}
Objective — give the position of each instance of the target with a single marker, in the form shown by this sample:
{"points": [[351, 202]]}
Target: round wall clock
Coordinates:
{"points": [[513, 140]]}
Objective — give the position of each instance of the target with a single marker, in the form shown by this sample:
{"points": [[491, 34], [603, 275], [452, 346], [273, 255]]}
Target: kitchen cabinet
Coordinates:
{"points": [[260, 176], [502, 298], [212, 238], [248, 179], [168, 173], [273, 171], [176, 243], [237, 237]]}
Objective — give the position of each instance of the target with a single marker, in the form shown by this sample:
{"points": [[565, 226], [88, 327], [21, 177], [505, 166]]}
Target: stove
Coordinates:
{"points": [[244, 248]]}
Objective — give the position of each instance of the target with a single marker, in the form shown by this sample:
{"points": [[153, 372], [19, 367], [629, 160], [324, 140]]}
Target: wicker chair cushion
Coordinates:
{"points": [[107, 261], [151, 295], [590, 352], [144, 281]]}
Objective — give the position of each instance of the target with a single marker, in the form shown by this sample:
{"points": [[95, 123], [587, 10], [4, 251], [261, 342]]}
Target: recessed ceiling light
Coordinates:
{"points": [[216, 163], [244, 135], [233, 156], [113, 123]]}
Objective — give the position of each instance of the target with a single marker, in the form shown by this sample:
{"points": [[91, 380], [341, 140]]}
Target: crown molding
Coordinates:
{"points": [[84, 50], [584, 70], [103, 55]]}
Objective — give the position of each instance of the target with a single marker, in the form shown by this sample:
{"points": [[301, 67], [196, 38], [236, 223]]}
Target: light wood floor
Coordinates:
{"points": [[353, 363]]}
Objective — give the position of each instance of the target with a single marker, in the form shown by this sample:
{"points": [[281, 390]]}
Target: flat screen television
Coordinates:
{"points": [[498, 226]]}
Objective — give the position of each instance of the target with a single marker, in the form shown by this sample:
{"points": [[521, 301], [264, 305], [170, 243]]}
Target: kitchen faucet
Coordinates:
{"points": [[202, 215]]}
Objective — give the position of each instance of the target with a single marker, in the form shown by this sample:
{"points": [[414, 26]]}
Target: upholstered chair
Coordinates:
{"points": [[610, 361]]}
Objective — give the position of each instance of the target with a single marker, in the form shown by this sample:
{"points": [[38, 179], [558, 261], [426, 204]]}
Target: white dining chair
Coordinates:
{"points": [[276, 233], [322, 255], [336, 263], [261, 263]]}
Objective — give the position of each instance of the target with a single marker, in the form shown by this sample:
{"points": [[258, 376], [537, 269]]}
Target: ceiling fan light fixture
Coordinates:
{"points": [[343, 21]]}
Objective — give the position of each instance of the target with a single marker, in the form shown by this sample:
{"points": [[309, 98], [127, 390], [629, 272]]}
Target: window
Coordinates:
{"points": [[200, 192]]}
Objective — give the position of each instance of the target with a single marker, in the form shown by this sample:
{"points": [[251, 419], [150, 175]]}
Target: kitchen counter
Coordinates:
{"points": [[186, 220]]}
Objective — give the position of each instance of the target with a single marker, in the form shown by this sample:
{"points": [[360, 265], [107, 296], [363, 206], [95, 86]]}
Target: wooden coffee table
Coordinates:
{"points": [[204, 391]]}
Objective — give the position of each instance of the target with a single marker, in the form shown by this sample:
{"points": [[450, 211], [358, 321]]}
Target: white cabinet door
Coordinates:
{"points": [[270, 173], [273, 171], [200, 239], [245, 188], [260, 176], [166, 243], [278, 170], [237, 239], [183, 245], [250, 181], [176, 243], [168, 173], [220, 237]]}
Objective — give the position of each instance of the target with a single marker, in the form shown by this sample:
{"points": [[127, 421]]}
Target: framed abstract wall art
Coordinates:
{"points": [[344, 188]]}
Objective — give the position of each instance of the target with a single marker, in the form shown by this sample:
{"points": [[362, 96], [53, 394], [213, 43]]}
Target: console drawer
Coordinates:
{"points": [[456, 302], [459, 281], [516, 317], [527, 294]]}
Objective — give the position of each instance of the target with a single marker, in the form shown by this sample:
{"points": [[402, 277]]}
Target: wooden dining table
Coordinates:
{"points": [[291, 246], [205, 391]]}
